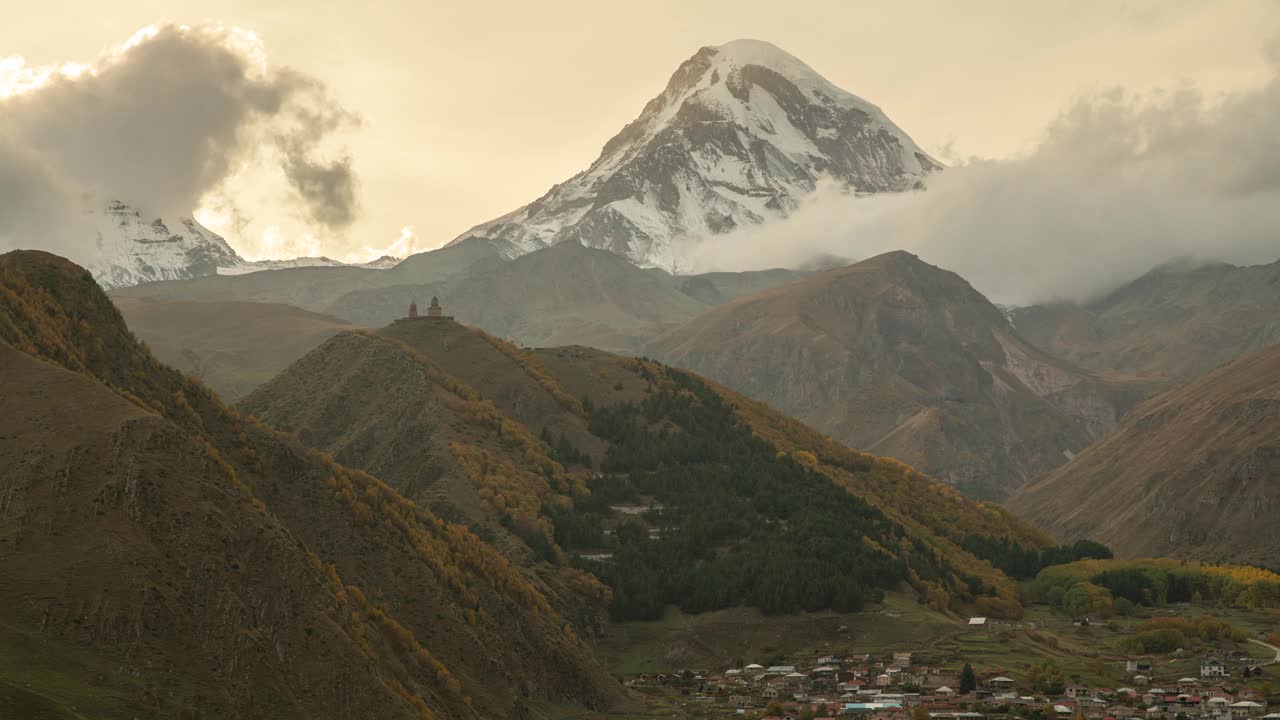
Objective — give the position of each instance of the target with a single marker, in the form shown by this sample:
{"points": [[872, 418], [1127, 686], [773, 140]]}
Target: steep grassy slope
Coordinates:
{"points": [[1174, 322], [375, 404], [232, 346], [124, 534], [906, 360], [365, 399], [414, 595], [1193, 472]]}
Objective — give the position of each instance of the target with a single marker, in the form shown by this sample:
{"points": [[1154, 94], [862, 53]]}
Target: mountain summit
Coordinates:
{"points": [[741, 133], [131, 250]]}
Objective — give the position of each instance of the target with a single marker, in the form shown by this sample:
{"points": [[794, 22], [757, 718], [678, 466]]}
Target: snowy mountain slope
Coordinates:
{"points": [[131, 250], [740, 135]]}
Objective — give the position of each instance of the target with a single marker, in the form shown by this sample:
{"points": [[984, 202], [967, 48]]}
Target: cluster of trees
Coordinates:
{"points": [[1021, 562], [563, 451], [1166, 634], [740, 524], [1047, 678], [1107, 587]]}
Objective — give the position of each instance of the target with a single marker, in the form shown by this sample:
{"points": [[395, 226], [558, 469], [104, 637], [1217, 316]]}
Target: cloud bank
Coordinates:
{"points": [[1117, 185], [159, 123]]}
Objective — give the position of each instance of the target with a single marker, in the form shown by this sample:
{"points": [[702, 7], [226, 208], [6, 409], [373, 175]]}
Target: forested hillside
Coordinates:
{"points": [[669, 488]]}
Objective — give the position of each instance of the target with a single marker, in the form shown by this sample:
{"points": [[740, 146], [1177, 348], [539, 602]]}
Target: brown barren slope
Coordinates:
{"points": [[1193, 472], [904, 359]]}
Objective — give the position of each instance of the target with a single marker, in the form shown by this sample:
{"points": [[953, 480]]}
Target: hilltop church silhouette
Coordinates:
{"points": [[433, 312]]}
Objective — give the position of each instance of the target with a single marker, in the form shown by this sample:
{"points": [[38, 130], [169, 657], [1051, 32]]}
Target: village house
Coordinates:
{"points": [[1247, 709], [1001, 683], [1213, 668], [1217, 708]]}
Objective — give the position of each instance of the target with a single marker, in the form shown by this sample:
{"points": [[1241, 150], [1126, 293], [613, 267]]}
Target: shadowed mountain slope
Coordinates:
{"points": [[567, 294], [1193, 472], [1174, 322], [232, 346], [412, 596]]}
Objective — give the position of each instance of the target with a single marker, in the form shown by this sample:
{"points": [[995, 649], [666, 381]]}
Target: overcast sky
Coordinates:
{"points": [[458, 112]]}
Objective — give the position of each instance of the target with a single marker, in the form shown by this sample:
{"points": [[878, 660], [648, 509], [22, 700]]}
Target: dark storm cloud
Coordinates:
{"points": [[1117, 185], [158, 125]]}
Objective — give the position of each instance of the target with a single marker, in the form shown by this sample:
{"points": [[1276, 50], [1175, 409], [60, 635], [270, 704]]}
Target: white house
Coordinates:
{"points": [[1213, 668]]}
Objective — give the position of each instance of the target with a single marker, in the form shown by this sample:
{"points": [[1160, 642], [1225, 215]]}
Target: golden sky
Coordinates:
{"points": [[471, 109]]}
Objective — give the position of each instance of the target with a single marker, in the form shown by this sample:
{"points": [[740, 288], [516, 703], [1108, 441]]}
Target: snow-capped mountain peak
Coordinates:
{"points": [[741, 133], [132, 250]]}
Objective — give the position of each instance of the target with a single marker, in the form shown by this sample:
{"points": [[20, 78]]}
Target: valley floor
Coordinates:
{"points": [[676, 666]]}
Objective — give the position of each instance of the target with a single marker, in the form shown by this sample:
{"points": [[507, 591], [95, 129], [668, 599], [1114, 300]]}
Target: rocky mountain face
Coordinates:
{"points": [[740, 135], [1172, 323], [154, 532], [1194, 472], [131, 250], [904, 359]]}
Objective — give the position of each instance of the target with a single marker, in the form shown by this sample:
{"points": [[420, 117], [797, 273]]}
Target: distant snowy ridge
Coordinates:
{"points": [[132, 250], [382, 263], [741, 134]]}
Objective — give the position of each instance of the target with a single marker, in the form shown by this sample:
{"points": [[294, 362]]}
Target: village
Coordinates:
{"points": [[895, 686]]}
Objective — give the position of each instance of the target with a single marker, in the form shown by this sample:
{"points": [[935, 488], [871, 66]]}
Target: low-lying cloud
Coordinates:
{"points": [[1118, 184], [160, 123]]}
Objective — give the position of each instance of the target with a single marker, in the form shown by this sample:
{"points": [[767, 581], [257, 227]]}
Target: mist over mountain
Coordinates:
{"points": [[1174, 322], [1118, 184], [159, 123]]}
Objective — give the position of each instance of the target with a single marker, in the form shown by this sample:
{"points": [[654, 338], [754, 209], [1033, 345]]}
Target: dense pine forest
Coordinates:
{"points": [[732, 520]]}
